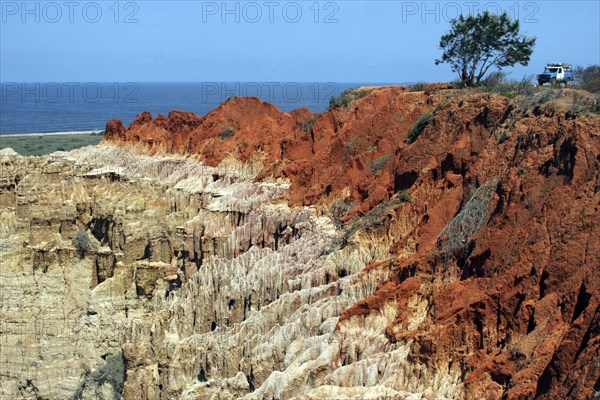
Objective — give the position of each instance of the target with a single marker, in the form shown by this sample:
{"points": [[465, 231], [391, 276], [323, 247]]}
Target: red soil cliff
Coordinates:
{"points": [[503, 242]]}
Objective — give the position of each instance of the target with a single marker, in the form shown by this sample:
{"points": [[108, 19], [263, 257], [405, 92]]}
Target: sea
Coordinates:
{"points": [[85, 107]]}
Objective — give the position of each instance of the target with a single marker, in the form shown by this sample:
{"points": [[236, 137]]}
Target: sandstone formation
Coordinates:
{"points": [[258, 254]]}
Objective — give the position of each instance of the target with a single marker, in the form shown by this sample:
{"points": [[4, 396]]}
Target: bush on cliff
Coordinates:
{"points": [[82, 243], [112, 373], [347, 97], [227, 133], [419, 126]]}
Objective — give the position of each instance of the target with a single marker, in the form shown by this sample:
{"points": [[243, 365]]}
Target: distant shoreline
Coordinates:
{"points": [[50, 133]]}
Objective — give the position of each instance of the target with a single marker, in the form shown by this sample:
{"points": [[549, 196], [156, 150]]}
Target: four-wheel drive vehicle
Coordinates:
{"points": [[556, 73]]}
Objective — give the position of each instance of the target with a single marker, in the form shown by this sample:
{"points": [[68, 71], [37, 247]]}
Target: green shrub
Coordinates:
{"points": [[308, 124], [419, 126], [503, 138], [82, 243], [347, 97], [227, 133], [404, 196]]}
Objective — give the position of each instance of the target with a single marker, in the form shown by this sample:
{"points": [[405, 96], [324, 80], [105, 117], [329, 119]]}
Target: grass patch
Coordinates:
{"points": [[419, 126], [34, 145]]}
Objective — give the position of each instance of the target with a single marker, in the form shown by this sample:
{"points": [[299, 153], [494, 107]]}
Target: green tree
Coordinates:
{"points": [[477, 42]]}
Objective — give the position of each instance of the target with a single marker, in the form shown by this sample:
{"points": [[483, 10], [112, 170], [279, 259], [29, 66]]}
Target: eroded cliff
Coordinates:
{"points": [[253, 253]]}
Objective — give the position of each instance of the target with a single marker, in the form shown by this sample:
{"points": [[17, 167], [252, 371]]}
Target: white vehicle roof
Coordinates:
{"points": [[555, 65]]}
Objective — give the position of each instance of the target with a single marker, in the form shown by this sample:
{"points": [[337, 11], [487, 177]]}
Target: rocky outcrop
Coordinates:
{"points": [[257, 254]]}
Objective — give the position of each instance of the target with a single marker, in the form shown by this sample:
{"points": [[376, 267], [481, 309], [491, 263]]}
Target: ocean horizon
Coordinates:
{"points": [[39, 108]]}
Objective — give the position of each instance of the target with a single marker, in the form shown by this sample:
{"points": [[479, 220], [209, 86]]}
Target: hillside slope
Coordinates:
{"points": [[258, 254]]}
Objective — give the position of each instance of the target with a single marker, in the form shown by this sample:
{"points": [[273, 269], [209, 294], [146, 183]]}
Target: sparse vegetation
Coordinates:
{"points": [[419, 126], [377, 215], [455, 237], [379, 163], [523, 170], [582, 105], [417, 87], [503, 137], [82, 243], [339, 210], [588, 78], [112, 372], [351, 148], [404, 196], [538, 99], [496, 82], [308, 125], [347, 97]]}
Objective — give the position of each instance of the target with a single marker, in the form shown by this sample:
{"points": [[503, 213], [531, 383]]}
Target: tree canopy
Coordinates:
{"points": [[477, 42]]}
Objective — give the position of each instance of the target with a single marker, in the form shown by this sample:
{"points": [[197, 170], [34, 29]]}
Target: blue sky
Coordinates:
{"points": [[345, 41]]}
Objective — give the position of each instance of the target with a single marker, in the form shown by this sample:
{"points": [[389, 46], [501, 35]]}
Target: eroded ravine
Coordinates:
{"points": [[208, 281], [334, 261]]}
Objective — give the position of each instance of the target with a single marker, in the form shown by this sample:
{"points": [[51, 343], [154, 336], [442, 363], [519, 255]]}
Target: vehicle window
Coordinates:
{"points": [[553, 69]]}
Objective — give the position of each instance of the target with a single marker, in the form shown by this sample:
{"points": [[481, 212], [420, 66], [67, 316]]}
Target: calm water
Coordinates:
{"points": [[82, 107]]}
